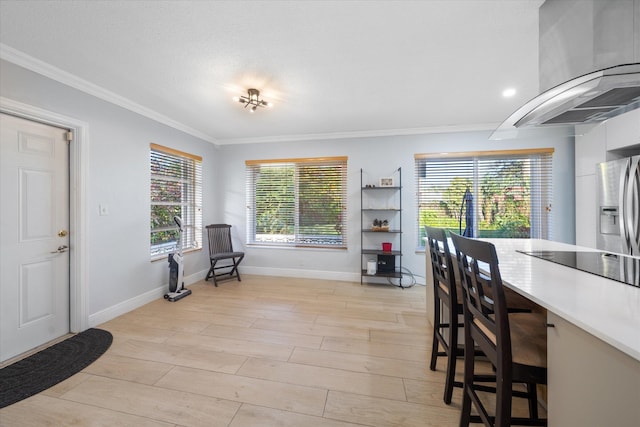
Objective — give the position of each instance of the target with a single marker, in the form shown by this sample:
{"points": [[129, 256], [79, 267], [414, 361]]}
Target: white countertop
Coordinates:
{"points": [[605, 308]]}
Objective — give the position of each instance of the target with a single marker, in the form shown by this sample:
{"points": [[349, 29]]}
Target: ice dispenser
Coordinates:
{"points": [[609, 220]]}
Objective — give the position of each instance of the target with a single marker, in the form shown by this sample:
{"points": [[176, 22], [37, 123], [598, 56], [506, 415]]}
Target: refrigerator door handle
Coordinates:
{"points": [[622, 201], [632, 216]]}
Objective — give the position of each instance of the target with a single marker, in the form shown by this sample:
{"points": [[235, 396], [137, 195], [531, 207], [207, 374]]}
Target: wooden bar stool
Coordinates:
{"points": [[445, 292], [448, 294], [514, 344]]}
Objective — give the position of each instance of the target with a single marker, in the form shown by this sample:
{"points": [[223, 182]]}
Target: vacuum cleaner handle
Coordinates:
{"points": [[178, 221]]}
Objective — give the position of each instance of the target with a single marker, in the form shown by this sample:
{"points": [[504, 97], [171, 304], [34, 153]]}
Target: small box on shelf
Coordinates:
{"points": [[386, 263], [372, 267]]}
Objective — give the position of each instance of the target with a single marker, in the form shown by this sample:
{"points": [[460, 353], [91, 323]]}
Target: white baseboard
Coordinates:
{"points": [[157, 293], [194, 278], [306, 274], [313, 274], [124, 307]]}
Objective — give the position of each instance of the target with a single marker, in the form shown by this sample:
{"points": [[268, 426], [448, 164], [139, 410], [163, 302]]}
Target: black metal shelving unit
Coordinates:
{"points": [[375, 196]]}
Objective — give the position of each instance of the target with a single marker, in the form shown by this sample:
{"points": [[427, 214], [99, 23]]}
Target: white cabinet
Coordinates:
{"points": [[586, 211], [623, 131], [590, 149], [590, 383]]}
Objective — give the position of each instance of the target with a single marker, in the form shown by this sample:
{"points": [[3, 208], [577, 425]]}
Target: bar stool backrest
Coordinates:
{"points": [[441, 264], [484, 306]]}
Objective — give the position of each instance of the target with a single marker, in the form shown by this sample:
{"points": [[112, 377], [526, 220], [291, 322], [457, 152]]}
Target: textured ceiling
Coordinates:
{"points": [[332, 68]]}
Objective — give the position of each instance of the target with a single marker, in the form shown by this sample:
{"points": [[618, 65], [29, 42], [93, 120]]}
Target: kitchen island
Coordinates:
{"points": [[593, 337]]}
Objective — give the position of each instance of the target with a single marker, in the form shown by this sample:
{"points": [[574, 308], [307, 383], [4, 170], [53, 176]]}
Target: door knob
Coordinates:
{"points": [[61, 249], [62, 233]]}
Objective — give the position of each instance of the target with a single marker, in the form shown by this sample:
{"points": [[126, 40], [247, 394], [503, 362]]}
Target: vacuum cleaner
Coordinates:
{"points": [[176, 269]]}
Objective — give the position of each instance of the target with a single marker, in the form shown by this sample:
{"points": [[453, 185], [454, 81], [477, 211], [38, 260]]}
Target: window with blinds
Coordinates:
{"points": [[176, 190], [297, 202], [485, 194]]}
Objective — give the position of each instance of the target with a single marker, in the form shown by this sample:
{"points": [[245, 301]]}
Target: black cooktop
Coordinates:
{"points": [[622, 268]]}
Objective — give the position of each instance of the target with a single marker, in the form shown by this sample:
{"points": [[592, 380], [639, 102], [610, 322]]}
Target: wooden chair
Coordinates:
{"points": [[448, 294], [445, 294], [514, 343], [221, 249]]}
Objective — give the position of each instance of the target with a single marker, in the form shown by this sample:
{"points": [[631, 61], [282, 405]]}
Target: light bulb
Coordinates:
{"points": [[509, 92]]}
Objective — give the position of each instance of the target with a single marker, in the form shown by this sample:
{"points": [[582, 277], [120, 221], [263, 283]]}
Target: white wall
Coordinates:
{"points": [[119, 268], [379, 156]]}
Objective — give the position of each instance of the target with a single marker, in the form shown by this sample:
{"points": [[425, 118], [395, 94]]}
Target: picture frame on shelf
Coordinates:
{"points": [[386, 181]]}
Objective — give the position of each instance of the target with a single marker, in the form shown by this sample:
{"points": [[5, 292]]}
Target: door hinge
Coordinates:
{"points": [[69, 136]]}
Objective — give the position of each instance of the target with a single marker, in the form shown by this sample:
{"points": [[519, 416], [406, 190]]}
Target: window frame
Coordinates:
{"points": [[540, 210], [297, 239], [191, 202]]}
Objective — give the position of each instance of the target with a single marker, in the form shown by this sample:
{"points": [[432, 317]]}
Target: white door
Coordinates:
{"points": [[34, 235]]}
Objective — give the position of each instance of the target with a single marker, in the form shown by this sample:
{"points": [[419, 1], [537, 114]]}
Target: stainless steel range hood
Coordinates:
{"points": [[588, 99], [593, 47]]}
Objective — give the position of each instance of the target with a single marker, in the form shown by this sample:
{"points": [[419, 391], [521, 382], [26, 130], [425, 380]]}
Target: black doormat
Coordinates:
{"points": [[48, 367]]}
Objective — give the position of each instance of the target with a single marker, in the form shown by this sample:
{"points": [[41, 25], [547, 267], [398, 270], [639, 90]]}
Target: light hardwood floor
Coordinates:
{"points": [[262, 352]]}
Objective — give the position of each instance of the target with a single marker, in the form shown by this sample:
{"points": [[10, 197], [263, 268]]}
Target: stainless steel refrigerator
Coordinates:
{"points": [[619, 206]]}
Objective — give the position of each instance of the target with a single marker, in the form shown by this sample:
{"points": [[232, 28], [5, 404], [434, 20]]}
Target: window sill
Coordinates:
{"points": [[296, 247], [164, 256]]}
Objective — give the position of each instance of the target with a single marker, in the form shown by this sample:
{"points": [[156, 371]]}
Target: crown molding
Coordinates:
{"points": [[37, 66], [361, 134], [21, 59]]}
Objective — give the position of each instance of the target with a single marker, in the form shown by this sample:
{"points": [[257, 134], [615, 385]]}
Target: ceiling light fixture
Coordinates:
{"points": [[253, 100], [509, 92]]}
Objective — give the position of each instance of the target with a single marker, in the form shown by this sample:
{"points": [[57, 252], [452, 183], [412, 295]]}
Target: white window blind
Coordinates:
{"points": [[485, 194], [176, 190], [297, 202]]}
